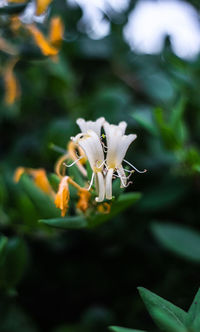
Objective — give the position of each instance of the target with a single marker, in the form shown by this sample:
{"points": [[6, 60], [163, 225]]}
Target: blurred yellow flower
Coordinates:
{"points": [[49, 46], [39, 176], [12, 90], [41, 41], [56, 32]]}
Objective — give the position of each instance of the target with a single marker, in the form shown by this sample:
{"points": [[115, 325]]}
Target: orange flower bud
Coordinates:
{"points": [[63, 196]]}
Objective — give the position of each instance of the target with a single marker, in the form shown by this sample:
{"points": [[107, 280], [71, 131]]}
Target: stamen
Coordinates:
{"points": [[91, 182], [127, 170], [145, 170], [74, 162], [105, 148], [123, 177]]}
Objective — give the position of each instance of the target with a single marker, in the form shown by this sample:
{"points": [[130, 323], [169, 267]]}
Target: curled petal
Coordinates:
{"points": [[73, 155], [122, 125], [63, 196], [117, 143], [124, 143], [91, 125]]}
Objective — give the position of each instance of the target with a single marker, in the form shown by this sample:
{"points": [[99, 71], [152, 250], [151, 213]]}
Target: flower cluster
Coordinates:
{"points": [[105, 159], [105, 153]]}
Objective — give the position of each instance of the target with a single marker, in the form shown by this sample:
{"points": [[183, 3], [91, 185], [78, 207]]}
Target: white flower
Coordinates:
{"points": [[117, 145], [105, 169], [90, 142], [93, 125]]}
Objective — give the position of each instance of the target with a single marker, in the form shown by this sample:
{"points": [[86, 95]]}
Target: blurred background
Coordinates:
{"points": [[133, 61]]}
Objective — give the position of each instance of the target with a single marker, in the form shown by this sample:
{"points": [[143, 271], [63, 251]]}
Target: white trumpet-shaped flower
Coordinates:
{"points": [[105, 168], [117, 145], [90, 142], [90, 125]]}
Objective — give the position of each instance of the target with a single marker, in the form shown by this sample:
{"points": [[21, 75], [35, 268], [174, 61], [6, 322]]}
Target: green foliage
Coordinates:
{"points": [[181, 240], [42, 201], [75, 222], [166, 315], [79, 273], [123, 329], [94, 219]]}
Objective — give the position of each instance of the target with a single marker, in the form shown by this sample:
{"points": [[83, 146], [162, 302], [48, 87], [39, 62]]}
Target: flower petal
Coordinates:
{"points": [[91, 125], [101, 187], [109, 176], [91, 145], [117, 143]]}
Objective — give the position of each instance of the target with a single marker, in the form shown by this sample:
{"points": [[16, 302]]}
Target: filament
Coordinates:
{"points": [[134, 167], [91, 182], [74, 162]]}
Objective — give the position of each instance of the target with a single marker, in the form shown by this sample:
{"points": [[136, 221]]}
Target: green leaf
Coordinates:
{"points": [[75, 222], [179, 239], [163, 312], [194, 313], [13, 9], [166, 322], [16, 259], [123, 329], [119, 205], [42, 201]]}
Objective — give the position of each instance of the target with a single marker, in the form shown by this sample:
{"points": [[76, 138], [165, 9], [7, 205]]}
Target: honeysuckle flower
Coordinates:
{"points": [[91, 125], [90, 142], [117, 146]]}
